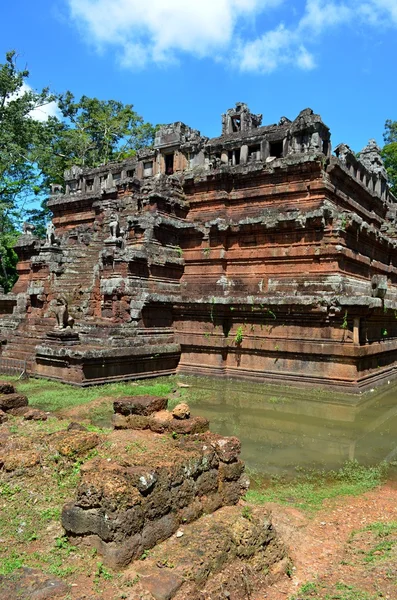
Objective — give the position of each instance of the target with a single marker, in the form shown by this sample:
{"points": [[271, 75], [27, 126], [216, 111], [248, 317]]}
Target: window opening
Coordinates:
{"points": [[169, 163], [236, 123], [276, 149]]}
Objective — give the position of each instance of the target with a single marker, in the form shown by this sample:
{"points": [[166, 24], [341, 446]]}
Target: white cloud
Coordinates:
{"points": [[273, 49], [41, 113], [163, 30]]}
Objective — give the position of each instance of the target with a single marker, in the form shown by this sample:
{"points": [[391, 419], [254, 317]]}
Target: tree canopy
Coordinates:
{"points": [[389, 153], [34, 153]]}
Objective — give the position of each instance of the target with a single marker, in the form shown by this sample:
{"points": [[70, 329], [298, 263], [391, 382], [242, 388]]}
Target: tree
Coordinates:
{"points": [[34, 154], [92, 132], [389, 153], [19, 176]]}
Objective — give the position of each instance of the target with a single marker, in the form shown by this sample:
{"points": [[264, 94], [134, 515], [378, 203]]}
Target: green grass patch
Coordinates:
{"points": [[310, 489], [52, 395], [339, 591]]}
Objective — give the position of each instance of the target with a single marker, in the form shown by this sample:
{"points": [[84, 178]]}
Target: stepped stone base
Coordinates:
{"points": [[257, 254], [149, 485]]}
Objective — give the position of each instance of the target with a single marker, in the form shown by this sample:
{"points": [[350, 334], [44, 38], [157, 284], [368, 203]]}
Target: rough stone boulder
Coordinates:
{"points": [[73, 443], [181, 411], [14, 459], [139, 405], [146, 487], [133, 413], [6, 387], [229, 554], [32, 584], [10, 401], [3, 417], [29, 414]]}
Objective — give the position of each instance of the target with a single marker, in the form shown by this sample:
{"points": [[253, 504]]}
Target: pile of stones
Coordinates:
{"points": [[15, 404], [150, 412], [146, 485]]}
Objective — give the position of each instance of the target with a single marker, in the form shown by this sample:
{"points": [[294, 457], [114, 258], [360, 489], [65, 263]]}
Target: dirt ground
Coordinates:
{"points": [[345, 551], [337, 548]]}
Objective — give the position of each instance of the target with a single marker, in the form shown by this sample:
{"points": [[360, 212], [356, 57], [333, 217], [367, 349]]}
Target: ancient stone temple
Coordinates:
{"points": [[257, 254]]}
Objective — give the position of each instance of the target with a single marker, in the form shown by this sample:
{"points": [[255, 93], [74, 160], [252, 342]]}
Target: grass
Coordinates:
{"points": [[52, 396], [311, 488], [383, 536], [31, 505], [339, 591]]}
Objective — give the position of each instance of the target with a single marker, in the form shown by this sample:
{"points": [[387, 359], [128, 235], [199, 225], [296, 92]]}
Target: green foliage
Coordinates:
{"points": [[389, 153], [92, 132], [52, 395], [312, 487], [338, 591], [344, 322], [35, 153], [20, 178], [239, 335], [247, 513]]}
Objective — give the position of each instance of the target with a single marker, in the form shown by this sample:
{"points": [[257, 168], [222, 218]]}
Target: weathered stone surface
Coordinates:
{"points": [[130, 421], [32, 584], [6, 387], [73, 426], [20, 459], [180, 250], [181, 411], [147, 487], [162, 584], [231, 471], [160, 422], [74, 443], [139, 405], [3, 417], [222, 555], [12, 400], [29, 414], [227, 449]]}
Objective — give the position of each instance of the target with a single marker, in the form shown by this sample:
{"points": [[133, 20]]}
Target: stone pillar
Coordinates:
{"points": [[244, 154], [356, 331], [265, 149]]}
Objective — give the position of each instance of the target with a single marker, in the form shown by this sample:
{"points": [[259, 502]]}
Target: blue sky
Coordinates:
{"points": [[190, 61]]}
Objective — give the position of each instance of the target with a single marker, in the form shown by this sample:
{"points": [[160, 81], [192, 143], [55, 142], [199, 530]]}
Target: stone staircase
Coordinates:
{"points": [[75, 284]]}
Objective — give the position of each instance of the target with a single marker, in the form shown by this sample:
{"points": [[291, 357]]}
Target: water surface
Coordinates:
{"points": [[284, 428]]}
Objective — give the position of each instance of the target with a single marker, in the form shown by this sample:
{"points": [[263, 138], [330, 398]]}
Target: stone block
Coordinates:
{"points": [[29, 414], [11, 400], [3, 417], [182, 495], [231, 471], [211, 503], [207, 483], [32, 584], [130, 422], [139, 405], [6, 387], [227, 449], [22, 459], [159, 422], [181, 411], [188, 426], [118, 556], [158, 530], [162, 585], [74, 443]]}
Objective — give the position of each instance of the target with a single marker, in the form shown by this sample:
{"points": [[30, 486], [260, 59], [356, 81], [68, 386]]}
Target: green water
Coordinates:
{"points": [[284, 428]]}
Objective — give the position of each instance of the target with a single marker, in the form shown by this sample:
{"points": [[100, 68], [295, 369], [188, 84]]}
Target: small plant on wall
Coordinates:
{"points": [[239, 336]]}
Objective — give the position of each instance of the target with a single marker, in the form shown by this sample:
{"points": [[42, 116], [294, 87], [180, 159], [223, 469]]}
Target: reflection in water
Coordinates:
{"points": [[282, 428]]}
